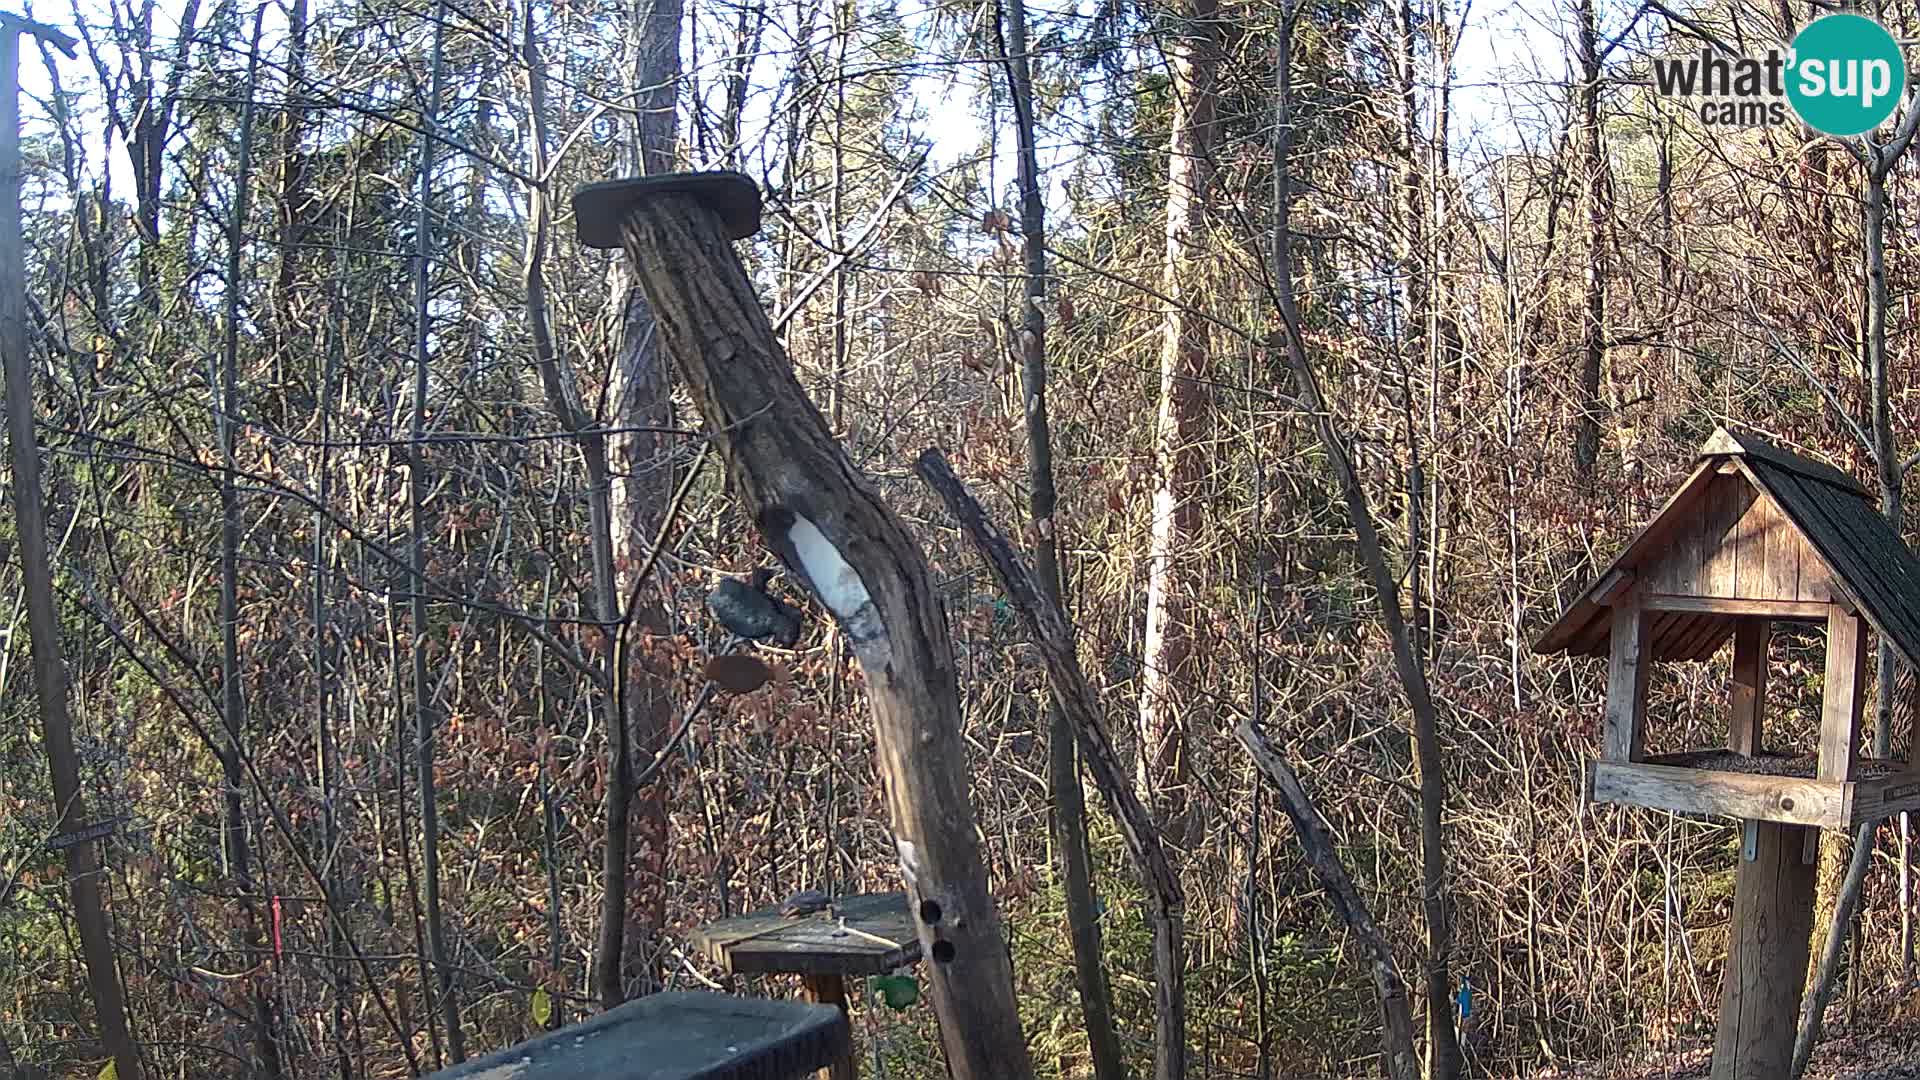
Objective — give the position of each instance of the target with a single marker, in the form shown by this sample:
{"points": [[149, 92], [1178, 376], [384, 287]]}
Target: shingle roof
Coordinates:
{"points": [[1831, 511]]}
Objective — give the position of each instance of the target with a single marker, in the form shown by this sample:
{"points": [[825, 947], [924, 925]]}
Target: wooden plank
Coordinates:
{"points": [[1613, 585], [864, 935], [1786, 799], [1592, 639], [1775, 572], [1626, 682], [1766, 957], [1704, 632], [1883, 797], [1779, 610], [1842, 696], [1663, 632], [1745, 542], [1720, 631], [1744, 733], [676, 1035], [1719, 560]]}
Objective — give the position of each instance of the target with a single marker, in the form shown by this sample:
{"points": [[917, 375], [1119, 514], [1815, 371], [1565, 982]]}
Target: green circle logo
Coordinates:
{"points": [[1845, 74]]}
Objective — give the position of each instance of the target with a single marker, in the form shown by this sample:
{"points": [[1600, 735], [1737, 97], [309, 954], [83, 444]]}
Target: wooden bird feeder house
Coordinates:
{"points": [[1755, 536]]}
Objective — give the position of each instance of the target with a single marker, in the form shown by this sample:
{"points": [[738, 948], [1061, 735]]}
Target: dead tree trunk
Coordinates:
{"points": [[1396, 1016], [1048, 628], [30, 520], [823, 518]]}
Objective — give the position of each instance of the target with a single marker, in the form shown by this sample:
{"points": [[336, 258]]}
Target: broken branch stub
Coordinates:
{"points": [[824, 519]]}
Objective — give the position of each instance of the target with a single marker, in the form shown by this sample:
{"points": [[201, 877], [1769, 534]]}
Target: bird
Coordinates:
{"points": [[805, 902], [749, 611]]}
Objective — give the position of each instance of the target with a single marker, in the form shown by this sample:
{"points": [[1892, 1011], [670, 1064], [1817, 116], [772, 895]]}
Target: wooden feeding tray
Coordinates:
{"points": [[869, 934], [1760, 787], [676, 1036]]}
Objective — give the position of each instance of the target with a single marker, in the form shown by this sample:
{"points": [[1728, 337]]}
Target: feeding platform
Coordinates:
{"points": [[870, 934], [1754, 536], [676, 1036]]}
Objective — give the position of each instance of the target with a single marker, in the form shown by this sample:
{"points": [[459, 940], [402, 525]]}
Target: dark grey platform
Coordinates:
{"points": [[676, 1036]]}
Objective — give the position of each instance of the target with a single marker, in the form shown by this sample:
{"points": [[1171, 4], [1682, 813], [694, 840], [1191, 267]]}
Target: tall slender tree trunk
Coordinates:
{"points": [[1168, 648], [237, 844], [1593, 306], [1063, 771], [641, 484], [36, 574], [1443, 1046], [1843, 901], [425, 718]]}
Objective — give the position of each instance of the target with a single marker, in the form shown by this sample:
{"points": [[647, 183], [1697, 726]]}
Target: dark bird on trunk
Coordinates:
{"points": [[746, 608]]}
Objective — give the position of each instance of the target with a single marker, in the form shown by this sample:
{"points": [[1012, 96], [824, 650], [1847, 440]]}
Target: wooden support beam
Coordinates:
{"points": [[1626, 682], [1612, 587], [1782, 799], [1783, 610], [1749, 684], [832, 990], [1766, 957], [1843, 695]]}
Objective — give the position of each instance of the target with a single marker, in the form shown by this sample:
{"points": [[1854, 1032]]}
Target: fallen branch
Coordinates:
{"points": [[1048, 628], [1316, 840]]}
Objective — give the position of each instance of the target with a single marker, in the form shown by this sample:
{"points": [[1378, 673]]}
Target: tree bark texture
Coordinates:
{"points": [[641, 484], [1063, 768]]}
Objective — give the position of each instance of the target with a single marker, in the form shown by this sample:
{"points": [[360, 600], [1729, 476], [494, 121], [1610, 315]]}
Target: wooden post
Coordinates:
{"points": [[821, 515], [1766, 956], [1843, 695], [1745, 731], [831, 989], [1626, 682], [43, 618]]}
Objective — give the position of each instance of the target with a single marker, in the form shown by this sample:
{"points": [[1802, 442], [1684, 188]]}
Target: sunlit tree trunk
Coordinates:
{"points": [[1168, 651]]}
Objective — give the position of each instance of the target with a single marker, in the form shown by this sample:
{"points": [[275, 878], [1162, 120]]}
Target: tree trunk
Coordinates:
{"points": [[425, 721], [1593, 307], [1168, 645], [1046, 625], [1443, 1046], [36, 573], [1845, 901], [642, 482], [237, 846], [823, 518], [1063, 772]]}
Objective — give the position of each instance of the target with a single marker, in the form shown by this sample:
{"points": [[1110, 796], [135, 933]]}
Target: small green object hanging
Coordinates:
{"points": [[898, 991]]}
